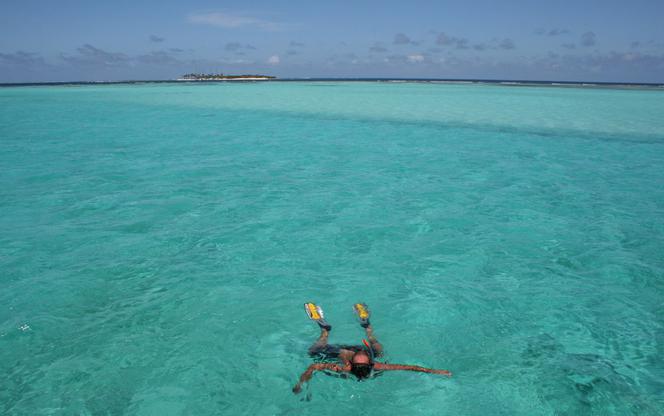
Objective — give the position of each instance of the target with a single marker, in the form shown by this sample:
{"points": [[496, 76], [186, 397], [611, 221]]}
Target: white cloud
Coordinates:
{"points": [[630, 56], [416, 58], [231, 21], [236, 61], [273, 60]]}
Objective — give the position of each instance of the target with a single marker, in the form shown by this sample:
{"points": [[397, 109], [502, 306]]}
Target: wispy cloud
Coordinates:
{"points": [[415, 58], [552, 32], [613, 62], [403, 39], [445, 40], [506, 44], [343, 59], [588, 39], [90, 55], [21, 59], [557, 32], [294, 44], [233, 46], [377, 48], [494, 44], [650, 44], [233, 21], [238, 48], [236, 61], [396, 58], [273, 60], [158, 58], [156, 39]]}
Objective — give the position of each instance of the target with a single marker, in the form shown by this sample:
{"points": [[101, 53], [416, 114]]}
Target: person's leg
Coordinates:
{"points": [[321, 343], [363, 314], [375, 345], [315, 313]]}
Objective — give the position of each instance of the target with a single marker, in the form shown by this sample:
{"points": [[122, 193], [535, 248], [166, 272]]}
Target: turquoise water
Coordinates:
{"points": [[157, 243]]}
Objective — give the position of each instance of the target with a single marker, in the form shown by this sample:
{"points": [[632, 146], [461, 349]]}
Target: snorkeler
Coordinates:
{"points": [[358, 360]]}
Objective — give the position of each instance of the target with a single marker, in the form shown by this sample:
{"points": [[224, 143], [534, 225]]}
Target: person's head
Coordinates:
{"points": [[361, 365]]}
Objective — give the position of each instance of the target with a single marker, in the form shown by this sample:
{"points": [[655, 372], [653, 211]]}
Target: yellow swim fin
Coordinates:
{"points": [[315, 313], [363, 314]]}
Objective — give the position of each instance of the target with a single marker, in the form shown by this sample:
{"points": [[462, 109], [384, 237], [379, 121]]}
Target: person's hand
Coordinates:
{"points": [[297, 388], [443, 372]]}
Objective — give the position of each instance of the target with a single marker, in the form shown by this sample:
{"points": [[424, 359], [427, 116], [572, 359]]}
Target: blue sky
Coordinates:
{"points": [[529, 40]]}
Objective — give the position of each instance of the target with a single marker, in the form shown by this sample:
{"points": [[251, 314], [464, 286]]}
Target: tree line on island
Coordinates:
{"points": [[212, 77]]}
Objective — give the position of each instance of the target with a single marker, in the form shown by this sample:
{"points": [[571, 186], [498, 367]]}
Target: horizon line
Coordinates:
{"points": [[503, 82]]}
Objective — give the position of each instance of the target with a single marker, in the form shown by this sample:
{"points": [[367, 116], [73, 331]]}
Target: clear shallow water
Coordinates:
{"points": [[157, 243]]}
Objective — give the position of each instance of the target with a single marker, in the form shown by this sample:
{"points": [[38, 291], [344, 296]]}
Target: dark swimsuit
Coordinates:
{"points": [[332, 351]]}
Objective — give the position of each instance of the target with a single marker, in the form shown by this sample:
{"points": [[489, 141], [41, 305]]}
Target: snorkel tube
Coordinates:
{"points": [[369, 350]]}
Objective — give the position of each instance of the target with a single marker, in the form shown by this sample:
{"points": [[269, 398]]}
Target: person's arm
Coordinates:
{"points": [[306, 376], [404, 367]]}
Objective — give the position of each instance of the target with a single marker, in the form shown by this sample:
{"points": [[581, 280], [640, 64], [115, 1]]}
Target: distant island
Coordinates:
{"points": [[222, 77]]}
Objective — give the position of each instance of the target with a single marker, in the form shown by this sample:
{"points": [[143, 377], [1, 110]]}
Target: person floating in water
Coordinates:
{"points": [[358, 360]]}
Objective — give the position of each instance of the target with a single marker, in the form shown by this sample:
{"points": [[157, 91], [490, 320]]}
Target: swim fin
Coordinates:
{"points": [[363, 314], [315, 313]]}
